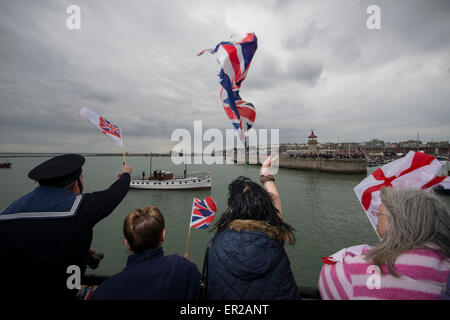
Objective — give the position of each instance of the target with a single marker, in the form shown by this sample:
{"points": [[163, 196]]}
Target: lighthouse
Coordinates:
{"points": [[312, 143]]}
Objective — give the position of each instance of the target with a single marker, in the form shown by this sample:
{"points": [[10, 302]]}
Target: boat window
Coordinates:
{"points": [[209, 180]]}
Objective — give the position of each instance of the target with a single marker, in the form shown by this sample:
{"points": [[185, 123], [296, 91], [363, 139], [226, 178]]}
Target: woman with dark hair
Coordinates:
{"points": [[247, 259]]}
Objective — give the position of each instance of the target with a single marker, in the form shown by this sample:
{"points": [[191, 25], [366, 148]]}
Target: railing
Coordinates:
{"points": [[309, 293], [97, 279]]}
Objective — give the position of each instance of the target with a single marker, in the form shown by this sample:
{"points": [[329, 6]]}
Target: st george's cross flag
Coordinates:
{"points": [[105, 126], [203, 212], [415, 170], [234, 59], [341, 254]]}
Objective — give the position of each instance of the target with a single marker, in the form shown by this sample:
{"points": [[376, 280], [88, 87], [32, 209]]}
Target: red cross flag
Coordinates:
{"points": [[415, 170], [103, 125]]}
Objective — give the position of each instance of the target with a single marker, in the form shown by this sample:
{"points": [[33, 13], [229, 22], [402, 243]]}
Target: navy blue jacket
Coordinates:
{"points": [[152, 276], [45, 232], [247, 261]]}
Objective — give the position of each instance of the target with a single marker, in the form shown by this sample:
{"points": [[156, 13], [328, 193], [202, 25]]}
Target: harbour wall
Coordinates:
{"points": [[348, 166], [325, 165]]}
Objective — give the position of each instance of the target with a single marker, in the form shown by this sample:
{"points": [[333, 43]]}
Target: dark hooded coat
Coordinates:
{"points": [[247, 261]]}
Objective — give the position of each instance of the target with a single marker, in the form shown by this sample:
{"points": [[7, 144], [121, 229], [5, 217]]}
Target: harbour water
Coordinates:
{"points": [[322, 208]]}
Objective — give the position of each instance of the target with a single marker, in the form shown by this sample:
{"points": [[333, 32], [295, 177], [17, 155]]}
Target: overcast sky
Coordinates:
{"points": [[134, 62]]}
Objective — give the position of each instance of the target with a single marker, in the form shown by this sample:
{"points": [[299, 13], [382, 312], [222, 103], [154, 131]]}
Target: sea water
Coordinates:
{"points": [[322, 208]]}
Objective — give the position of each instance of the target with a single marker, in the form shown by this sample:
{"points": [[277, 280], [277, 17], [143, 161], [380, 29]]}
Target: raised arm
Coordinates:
{"points": [[269, 182], [100, 204]]}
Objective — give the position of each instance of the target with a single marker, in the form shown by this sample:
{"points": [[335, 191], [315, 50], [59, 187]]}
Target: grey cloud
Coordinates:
{"points": [[301, 38], [271, 71], [305, 70], [91, 94], [135, 63]]}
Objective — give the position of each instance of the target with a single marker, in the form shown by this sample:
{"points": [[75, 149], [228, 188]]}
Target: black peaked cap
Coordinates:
{"points": [[58, 171]]}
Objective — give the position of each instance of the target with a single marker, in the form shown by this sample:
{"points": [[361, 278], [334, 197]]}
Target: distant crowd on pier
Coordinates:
{"points": [[309, 155], [46, 238]]}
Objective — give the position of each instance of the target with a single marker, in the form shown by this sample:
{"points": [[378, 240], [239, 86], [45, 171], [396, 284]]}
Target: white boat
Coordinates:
{"points": [[201, 182], [163, 180]]}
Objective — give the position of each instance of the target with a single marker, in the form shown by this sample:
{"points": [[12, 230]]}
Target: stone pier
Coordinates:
{"points": [[357, 166], [352, 166]]}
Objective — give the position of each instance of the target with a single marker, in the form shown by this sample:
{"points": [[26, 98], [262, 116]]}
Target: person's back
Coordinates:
{"points": [[37, 253], [421, 274], [247, 261], [50, 229], [149, 274], [411, 262], [152, 276]]}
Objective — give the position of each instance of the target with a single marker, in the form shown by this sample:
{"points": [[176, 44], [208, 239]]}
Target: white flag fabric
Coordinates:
{"points": [[341, 254], [108, 128], [415, 170], [445, 183]]}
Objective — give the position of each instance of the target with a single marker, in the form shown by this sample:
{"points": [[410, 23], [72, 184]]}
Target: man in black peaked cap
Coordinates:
{"points": [[48, 230]]}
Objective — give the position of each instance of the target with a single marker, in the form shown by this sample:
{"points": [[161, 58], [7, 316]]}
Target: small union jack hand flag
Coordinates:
{"points": [[109, 129], [203, 212]]}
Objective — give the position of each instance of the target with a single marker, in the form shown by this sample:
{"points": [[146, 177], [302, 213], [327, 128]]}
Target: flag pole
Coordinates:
{"points": [[189, 231], [378, 234], [246, 152], [187, 241], [123, 155]]}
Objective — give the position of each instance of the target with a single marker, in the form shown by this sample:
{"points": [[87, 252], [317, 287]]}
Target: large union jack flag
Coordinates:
{"points": [[203, 212], [235, 59]]}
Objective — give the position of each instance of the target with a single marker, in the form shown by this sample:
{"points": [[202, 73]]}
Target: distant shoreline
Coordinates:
{"points": [[35, 155]]}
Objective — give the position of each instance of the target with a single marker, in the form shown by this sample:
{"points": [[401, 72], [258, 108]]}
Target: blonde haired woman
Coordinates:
{"points": [[412, 260]]}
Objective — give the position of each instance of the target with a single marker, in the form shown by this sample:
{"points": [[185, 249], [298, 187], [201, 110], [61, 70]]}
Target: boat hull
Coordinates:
{"points": [[175, 184], [442, 191]]}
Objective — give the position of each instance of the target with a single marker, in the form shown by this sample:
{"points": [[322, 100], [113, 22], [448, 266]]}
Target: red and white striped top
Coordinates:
{"points": [[423, 273]]}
